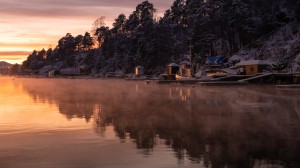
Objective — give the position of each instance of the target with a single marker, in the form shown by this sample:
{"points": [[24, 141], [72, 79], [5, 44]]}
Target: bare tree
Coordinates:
{"points": [[99, 22]]}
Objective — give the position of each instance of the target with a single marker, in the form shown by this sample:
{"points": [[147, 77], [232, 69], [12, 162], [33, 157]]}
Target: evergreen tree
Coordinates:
{"points": [[79, 42], [87, 41], [102, 34], [119, 25]]}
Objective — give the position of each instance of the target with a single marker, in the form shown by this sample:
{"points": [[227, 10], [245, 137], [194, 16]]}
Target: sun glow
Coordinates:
{"points": [[35, 25], [14, 106]]}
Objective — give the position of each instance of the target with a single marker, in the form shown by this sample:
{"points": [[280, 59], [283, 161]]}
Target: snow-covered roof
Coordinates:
{"points": [[214, 60], [236, 58], [185, 62], [253, 62], [173, 65]]}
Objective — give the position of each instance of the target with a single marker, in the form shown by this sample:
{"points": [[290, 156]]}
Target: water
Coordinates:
{"points": [[80, 123]]}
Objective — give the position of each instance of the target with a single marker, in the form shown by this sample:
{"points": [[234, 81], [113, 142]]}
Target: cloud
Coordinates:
{"points": [[73, 8], [13, 59], [26, 25], [22, 45], [13, 53]]}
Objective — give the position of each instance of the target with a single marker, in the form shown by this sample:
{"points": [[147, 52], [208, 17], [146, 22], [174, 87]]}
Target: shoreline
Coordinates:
{"points": [[212, 83]]}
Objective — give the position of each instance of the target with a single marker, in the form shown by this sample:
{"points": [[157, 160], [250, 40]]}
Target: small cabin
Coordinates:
{"points": [[252, 67], [85, 69], [139, 71], [53, 73], [173, 69], [70, 71], [186, 69]]}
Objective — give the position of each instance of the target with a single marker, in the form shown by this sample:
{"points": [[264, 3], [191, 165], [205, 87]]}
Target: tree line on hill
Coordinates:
{"points": [[211, 27]]}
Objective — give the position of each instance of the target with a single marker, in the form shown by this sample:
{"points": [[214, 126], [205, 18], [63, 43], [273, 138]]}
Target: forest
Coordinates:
{"points": [[207, 27]]}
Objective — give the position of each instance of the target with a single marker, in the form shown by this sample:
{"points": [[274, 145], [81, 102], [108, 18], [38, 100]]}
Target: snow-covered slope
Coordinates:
{"points": [[280, 46]]}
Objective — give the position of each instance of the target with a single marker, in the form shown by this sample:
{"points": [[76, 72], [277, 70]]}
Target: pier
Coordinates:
{"points": [[222, 83]]}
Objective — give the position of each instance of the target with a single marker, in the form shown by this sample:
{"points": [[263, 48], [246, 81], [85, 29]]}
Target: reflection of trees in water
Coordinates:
{"points": [[72, 100], [76, 109], [214, 128], [236, 127]]}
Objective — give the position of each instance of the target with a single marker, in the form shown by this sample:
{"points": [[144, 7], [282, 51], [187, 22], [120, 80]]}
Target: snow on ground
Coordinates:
{"points": [[279, 46]]}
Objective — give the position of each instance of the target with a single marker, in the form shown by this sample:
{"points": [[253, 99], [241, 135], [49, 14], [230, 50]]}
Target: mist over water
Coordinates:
{"points": [[117, 123]]}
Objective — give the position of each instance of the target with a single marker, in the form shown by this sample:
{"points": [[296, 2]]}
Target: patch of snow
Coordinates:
{"points": [[254, 62], [230, 71], [173, 65]]}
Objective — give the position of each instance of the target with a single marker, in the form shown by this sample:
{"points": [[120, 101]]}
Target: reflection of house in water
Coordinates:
{"points": [[181, 93]]}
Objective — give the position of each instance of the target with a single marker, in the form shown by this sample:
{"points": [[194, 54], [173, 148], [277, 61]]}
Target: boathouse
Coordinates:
{"points": [[186, 69], [139, 71], [252, 67], [173, 69]]}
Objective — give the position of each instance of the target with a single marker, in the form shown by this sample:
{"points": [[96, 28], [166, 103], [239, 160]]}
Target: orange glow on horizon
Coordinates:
{"points": [[15, 103], [35, 25]]}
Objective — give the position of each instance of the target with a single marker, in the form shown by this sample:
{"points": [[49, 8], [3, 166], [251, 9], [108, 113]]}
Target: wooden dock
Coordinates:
{"points": [[135, 79], [234, 77], [256, 77], [177, 81], [222, 83], [288, 86]]}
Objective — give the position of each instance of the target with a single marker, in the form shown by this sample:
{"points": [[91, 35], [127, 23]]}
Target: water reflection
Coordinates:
{"points": [[219, 127]]}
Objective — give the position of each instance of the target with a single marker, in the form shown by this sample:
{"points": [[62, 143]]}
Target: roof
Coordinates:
{"points": [[253, 62], [215, 60], [185, 62], [173, 65]]}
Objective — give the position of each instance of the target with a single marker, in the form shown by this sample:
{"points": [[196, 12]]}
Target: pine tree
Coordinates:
{"points": [[87, 41]]}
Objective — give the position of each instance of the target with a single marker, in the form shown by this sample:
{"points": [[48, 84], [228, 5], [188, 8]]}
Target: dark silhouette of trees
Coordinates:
{"points": [[211, 27], [87, 41]]}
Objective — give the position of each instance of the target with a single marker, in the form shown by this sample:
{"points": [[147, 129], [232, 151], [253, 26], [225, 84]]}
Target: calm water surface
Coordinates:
{"points": [[79, 123]]}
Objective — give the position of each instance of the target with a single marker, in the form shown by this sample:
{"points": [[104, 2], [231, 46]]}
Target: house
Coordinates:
{"points": [[214, 64], [173, 69], [85, 69], [70, 71], [252, 67], [186, 69], [139, 71], [53, 73]]}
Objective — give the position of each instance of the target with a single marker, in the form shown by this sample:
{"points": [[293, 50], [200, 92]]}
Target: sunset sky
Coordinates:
{"points": [[26, 25]]}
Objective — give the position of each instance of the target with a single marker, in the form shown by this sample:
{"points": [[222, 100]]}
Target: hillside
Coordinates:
{"points": [[243, 29], [280, 47]]}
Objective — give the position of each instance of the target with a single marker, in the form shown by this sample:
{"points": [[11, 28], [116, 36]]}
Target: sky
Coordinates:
{"points": [[26, 25]]}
